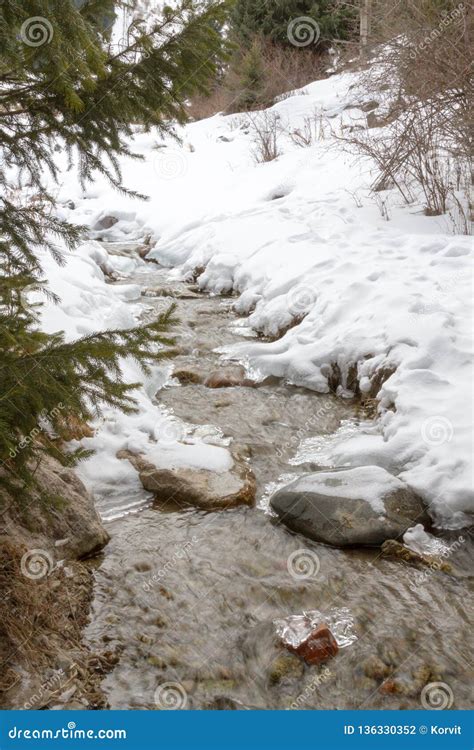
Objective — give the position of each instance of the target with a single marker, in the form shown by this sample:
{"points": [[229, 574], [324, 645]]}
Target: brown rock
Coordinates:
{"points": [[200, 488], [318, 647], [228, 377], [188, 377], [393, 549], [376, 668], [391, 687], [75, 519]]}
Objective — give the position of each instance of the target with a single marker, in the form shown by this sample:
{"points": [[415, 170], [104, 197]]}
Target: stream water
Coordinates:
{"points": [[189, 598]]}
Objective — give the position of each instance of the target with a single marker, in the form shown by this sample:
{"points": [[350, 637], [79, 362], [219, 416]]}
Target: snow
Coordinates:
{"points": [[418, 540], [369, 483], [89, 304], [302, 239]]}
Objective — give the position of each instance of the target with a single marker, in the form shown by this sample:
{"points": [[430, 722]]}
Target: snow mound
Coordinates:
{"points": [[302, 241]]}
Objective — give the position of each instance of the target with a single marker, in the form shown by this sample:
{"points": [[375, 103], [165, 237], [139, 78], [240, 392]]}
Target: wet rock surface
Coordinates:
{"points": [[232, 376], [362, 506], [319, 646], [191, 598], [208, 490]]}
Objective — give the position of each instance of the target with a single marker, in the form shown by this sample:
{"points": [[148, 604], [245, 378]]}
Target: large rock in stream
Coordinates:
{"points": [[361, 506], [197, 487]]}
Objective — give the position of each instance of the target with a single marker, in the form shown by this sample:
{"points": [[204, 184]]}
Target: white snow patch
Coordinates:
{"points": [[303, 236]]}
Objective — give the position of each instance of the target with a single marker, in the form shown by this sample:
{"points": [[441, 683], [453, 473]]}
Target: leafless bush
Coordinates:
{"points": [[312, 130], [424, 142], [411, 154], [266, 129], [207, 105]]}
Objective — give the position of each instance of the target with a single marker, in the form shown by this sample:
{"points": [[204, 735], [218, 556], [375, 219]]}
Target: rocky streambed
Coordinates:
{"points": [[196, 598]]}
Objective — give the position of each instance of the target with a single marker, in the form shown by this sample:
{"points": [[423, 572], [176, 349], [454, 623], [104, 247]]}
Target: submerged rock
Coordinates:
{"points": [[361, 506], [228, 377], [201, 488], [396, 550], [188, 377], [286, 666], [316, 647]]}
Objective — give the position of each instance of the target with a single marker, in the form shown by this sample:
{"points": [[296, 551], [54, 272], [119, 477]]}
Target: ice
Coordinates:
{"points": [[295, 629]]}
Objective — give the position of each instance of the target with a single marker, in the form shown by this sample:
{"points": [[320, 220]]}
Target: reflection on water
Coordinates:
{"points": [[191, 598]]}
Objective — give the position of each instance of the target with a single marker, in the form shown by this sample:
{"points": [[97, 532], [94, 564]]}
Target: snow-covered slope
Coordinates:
{"points": [[302, 237]]}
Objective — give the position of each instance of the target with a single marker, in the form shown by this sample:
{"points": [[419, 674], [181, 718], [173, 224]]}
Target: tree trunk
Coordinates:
{"points": [[365, 9]]}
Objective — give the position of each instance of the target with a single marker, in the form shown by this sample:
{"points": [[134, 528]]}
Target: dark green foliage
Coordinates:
{"points": [[251, 79], [271, 19], [63, 85]]}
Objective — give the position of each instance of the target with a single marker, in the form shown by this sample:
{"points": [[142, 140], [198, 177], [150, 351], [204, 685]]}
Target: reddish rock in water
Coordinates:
{"points": [[318, 647], [228, 377]]}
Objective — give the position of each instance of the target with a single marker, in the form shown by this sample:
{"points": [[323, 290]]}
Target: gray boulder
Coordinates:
{"points": [[361, 506]]}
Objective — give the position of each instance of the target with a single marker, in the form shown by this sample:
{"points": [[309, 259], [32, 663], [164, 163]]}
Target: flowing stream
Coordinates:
{"points": [[189, 599]]}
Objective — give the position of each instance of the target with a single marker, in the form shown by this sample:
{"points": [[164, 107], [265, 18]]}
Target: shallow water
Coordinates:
{"points": [[189, 598]]}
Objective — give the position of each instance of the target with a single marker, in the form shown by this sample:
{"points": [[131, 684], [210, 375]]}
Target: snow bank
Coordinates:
{"points": [[88, 304], [302, 237]]}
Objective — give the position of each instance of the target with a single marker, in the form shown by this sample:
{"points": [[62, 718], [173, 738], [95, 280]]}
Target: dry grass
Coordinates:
{"points": [[41, 630]]}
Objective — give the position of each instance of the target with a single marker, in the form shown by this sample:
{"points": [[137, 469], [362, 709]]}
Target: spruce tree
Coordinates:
{"points": [[250, 80], [271, 19], [62, 84]]}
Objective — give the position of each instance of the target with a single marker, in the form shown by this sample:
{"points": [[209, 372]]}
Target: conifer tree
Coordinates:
{"points": [[271, 19], [251, 79], [63, 85]]}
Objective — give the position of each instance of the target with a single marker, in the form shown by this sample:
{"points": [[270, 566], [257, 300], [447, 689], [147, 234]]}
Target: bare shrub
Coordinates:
{"points": [[266, 129], [311, 131], [207, 105], [426, 140], [284, 71]]}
